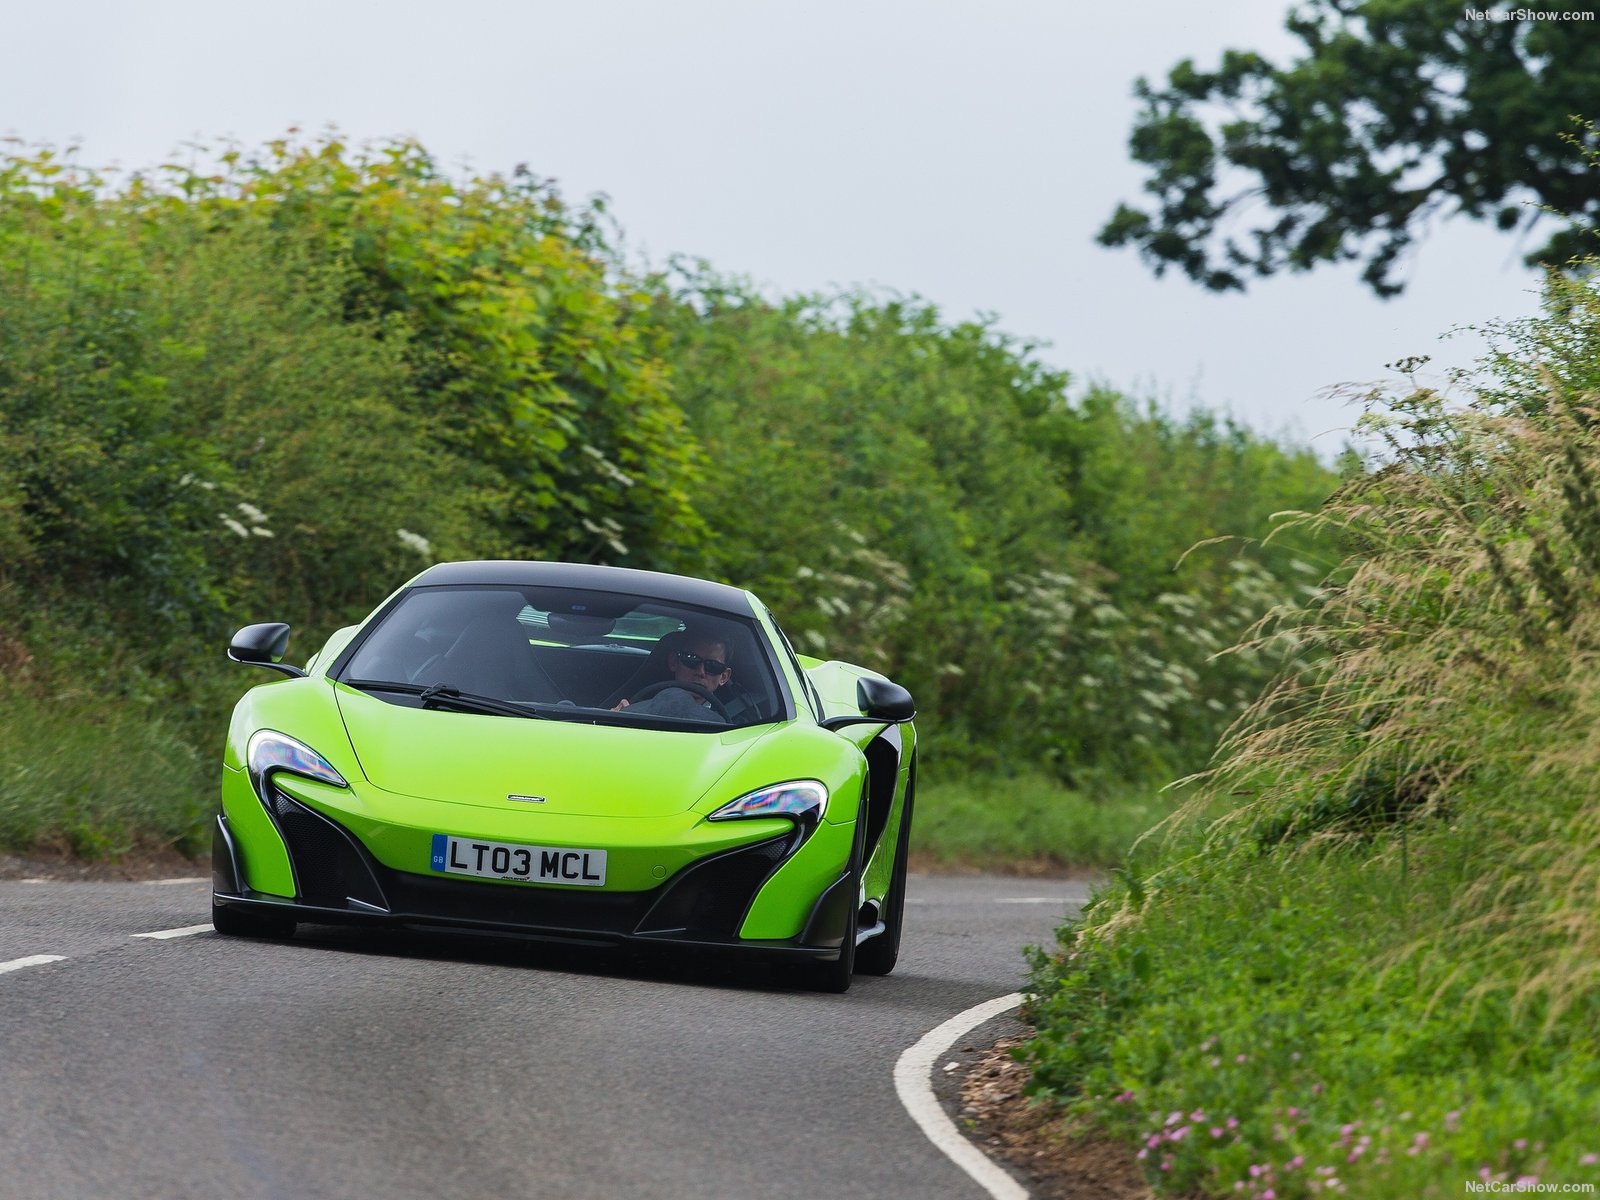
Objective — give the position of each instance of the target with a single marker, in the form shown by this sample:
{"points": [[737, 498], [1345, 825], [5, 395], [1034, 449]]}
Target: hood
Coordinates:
{"points": [[578, 769]]}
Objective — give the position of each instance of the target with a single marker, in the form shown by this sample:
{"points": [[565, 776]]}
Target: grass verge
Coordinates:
{"points": [[98, 778], [1029, 824]]}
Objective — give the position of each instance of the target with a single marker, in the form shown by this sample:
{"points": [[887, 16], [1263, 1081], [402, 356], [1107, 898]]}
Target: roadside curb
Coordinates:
{"points": [[913, 1083]]}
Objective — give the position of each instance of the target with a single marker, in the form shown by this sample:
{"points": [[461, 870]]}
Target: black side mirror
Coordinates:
{"points": [[880, 702], [263, 646]]}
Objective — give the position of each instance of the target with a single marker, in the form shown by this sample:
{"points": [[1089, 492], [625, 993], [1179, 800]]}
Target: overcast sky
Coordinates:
{"points": [[965, 152]]}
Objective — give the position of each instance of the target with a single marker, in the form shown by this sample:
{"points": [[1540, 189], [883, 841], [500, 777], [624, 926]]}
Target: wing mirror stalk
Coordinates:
{"points": [[263, 646]]}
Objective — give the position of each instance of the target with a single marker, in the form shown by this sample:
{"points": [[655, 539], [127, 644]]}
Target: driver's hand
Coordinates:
{"points": [[620, 705]]}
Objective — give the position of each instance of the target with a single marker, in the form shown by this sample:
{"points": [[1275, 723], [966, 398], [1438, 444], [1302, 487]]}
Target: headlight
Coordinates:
{"points": [[803, 801], [271, 751]]}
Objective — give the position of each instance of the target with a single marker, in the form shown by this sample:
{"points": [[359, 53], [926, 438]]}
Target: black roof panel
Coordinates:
{"points": [[680, 589]]}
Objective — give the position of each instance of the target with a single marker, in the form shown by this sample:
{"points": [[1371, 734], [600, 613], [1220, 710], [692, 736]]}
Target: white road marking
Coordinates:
{"points": [[170, 882], [1036, 900], [164, 934], [913, 1083], [33, 960]]}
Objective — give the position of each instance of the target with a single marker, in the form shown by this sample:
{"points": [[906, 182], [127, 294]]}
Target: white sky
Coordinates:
{"points": [[966, 152]]}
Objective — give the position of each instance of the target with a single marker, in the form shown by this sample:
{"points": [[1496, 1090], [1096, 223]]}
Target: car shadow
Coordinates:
{"points": [[666, 964]]}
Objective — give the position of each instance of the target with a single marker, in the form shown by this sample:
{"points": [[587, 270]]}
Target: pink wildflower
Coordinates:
{"points": [[1216, 1131], [1589, 1160]]}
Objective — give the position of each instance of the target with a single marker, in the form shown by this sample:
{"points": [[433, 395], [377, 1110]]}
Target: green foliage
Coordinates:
{"points": [[1368, 952], [927, 495], [55, 790], [1261, 1029], [534, 361], [274, 385], [1396, 111]]}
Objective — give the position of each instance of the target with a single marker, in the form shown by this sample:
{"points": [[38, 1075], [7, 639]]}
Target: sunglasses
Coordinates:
{"points": [[693, 662]]}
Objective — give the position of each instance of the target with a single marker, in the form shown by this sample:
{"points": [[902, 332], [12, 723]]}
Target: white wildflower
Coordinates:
{"points": [[235, 526], [414, 541]]}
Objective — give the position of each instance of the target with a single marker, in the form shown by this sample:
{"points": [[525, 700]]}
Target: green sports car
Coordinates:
{"points": [[575, 753]]}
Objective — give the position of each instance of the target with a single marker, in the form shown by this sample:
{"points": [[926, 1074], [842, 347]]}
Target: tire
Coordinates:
{"points": [[238, 921], [835, 976], [878, 955]]}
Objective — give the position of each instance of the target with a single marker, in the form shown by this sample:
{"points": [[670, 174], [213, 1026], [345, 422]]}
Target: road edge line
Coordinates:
{"points": [[913, 1082]]}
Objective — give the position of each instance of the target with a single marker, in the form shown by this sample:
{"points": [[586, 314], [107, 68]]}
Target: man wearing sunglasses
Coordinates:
{"points": [[701, 662]]}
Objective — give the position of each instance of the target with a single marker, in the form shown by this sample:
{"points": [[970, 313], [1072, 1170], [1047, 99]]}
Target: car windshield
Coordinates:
{"points": [[581, 655]]}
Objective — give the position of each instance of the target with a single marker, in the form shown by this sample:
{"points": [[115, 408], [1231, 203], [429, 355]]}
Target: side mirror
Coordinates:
{"points": [[880, 702], [263, 646]]}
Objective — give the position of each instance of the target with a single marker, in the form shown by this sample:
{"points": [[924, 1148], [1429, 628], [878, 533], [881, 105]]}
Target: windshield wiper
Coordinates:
{"points": [[443, 695]]}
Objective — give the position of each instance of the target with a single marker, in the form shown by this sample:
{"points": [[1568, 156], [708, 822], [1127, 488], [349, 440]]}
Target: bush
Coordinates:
{"points": [[1375, 971]]}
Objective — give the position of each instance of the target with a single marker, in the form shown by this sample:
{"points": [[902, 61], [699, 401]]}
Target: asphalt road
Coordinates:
{"points": [[348, 1064]]}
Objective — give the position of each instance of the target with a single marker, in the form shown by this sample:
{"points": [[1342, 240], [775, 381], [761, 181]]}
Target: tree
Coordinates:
{"points": [[1398, 112]]}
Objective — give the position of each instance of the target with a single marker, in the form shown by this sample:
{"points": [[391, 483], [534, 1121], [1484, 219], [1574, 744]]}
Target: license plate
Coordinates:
{"points": [[524, 864]]}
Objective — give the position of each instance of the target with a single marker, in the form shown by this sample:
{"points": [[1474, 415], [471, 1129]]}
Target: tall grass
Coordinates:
{"points": [[1395, 922], [98, 777]]}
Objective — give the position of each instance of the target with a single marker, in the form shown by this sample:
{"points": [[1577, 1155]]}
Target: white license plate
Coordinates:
{"points": [[525, 864]]}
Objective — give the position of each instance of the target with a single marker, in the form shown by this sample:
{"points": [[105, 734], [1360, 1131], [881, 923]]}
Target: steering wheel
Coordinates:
{"points": [[655, 689]]}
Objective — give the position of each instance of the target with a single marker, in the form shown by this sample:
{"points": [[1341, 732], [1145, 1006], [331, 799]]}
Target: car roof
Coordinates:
{"points": [[681, 589]]}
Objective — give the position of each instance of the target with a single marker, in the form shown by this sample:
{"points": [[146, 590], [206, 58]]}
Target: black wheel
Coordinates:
{"points": [[835, 976], [878, 955], [236, 920]]}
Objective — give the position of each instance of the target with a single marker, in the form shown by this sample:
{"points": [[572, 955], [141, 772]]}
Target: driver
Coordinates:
{"points": [[702, 663]]}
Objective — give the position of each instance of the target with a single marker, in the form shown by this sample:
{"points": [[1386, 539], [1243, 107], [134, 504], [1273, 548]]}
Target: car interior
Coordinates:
{"points": [[509, 645]]}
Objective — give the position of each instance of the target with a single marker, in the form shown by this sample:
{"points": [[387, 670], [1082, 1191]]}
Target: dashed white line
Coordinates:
{"points": [[912, 1080], [186, 931], [33, 960], [170, 882]]}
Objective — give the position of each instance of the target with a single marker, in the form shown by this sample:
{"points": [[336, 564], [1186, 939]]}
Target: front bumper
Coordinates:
{"points": [[716, 900]]}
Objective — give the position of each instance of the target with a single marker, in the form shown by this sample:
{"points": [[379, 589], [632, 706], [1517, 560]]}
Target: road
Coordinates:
{"points": [[351, 1064]]}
